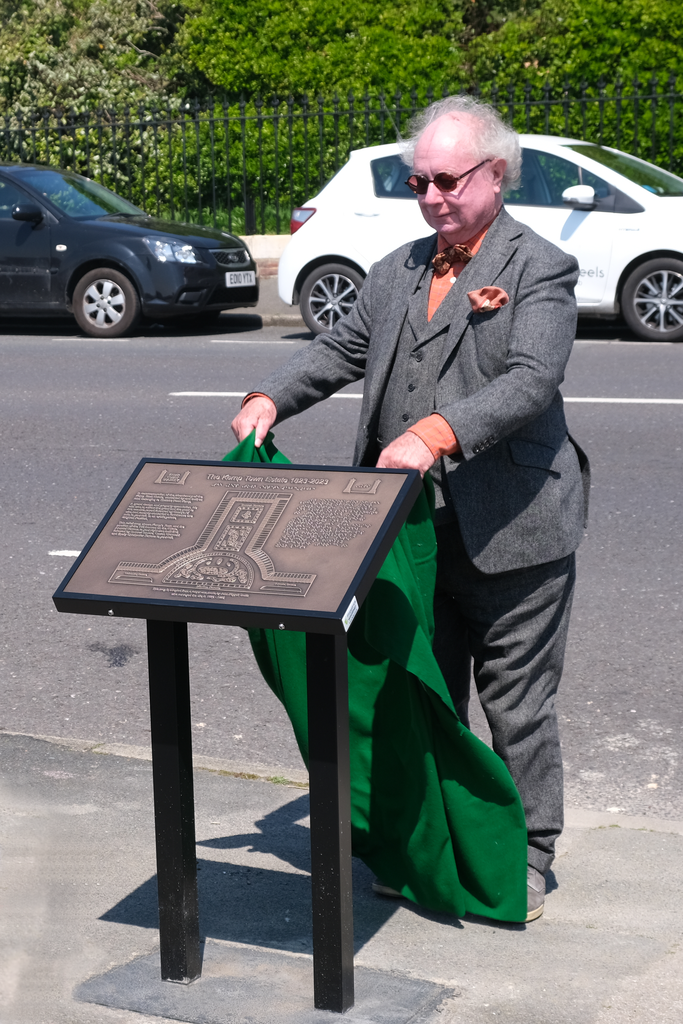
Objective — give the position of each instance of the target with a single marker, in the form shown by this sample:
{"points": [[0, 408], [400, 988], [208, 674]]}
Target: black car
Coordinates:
{"points": [[67, 244]]}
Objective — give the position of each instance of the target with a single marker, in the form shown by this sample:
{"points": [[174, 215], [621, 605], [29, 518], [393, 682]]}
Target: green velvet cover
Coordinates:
{"points": [[435, 813]]}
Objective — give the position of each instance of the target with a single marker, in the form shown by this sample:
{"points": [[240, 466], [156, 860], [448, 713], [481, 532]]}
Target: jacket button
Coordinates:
{"points": [[418, 357], [411, 387], [405, 417]]}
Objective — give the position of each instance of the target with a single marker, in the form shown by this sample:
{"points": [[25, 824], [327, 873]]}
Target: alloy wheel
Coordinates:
{"points": [[331, 298], [658, 301]]}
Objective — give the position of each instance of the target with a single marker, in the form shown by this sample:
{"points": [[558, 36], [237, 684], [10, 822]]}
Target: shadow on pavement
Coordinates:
{"points": [[597, 329], [266, 907], [66, 327]]}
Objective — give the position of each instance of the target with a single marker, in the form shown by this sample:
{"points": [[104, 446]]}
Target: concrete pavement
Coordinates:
{"points": [[78, 897], [272, 311]]}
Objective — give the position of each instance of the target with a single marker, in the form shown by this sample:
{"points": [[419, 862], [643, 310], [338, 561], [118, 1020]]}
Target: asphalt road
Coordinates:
{"points": [[78, 414]]}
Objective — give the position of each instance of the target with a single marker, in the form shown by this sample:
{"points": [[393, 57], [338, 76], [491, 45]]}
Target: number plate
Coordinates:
{"points": [[240, 278]]}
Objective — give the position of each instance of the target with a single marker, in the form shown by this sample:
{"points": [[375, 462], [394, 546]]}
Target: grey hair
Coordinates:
{"points": [[492, 137]]}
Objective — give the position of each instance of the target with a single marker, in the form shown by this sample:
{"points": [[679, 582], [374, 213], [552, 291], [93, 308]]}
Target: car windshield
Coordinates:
{"points": [[76, 196], [654, 179]]}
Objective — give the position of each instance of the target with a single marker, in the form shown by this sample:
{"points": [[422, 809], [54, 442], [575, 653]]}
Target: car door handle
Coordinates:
{"points": [[366, 213]]}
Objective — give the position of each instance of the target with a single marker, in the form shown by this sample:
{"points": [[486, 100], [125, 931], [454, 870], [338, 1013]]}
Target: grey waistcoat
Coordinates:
{"points": [[411, 388]]}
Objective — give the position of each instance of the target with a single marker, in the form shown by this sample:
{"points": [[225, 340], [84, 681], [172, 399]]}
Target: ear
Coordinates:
{"points": [[498, 168]]}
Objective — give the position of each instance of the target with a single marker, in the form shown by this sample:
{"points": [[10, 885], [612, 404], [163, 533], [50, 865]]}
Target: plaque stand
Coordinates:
{"points": [[328, 737], [169, 700], [330, 789], [186, 545]]}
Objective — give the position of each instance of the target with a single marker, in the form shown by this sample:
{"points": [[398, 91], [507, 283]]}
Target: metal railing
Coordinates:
{"points": [[243, 164]]}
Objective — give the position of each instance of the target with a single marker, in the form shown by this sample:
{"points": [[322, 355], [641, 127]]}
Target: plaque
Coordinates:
{"points": [[240, 543]]}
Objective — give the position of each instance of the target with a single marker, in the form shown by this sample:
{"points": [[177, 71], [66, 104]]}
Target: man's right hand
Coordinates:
{"points": [[258, 414]]}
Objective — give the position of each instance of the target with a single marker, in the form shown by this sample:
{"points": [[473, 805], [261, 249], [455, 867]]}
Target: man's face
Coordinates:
{"points": [[446, 146]]}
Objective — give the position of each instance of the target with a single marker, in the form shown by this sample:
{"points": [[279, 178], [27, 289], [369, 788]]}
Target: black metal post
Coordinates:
{"points": [[328, 745], [169, 690]]}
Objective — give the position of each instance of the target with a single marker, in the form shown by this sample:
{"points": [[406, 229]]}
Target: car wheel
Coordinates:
{"points": [[328, 294], [106, 303], [652, 300]]}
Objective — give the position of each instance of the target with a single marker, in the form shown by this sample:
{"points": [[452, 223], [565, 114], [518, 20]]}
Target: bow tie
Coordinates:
{"points": [[454, 254]]}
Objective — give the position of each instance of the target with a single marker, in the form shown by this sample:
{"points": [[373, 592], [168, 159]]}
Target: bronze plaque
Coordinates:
{"points": [[268, 536]]}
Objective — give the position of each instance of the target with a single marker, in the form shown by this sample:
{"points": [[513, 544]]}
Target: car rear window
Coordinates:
{"points": [[389, 175], [640, 172], [76, 196]]}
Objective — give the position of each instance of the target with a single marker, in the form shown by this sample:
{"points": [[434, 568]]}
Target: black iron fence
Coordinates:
{"points": [[242, 165]]}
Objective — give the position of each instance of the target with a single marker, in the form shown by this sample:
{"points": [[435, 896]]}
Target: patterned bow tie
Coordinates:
{"points": [[454, 254]]}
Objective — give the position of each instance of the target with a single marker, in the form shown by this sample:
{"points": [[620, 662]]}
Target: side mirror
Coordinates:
{"points": [[580, 197], [27, 211]]}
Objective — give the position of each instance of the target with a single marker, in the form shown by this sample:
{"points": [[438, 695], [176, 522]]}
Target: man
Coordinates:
{"points": [[462, 338]]}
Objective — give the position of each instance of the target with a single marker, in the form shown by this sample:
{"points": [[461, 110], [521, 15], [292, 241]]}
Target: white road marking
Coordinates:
{"points": [[232, 394], [242, 341], [618, 341], [64, 554], [630, 401], [349, 394]]}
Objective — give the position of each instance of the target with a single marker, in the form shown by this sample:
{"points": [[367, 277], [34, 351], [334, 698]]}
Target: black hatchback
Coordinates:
{"points": [[67, 244]]}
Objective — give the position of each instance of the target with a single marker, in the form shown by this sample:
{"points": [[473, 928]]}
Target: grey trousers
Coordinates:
{"points": [[511, 629]]}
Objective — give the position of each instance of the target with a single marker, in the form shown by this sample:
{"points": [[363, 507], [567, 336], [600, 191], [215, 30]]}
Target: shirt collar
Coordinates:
{"points": [[473, 243]]}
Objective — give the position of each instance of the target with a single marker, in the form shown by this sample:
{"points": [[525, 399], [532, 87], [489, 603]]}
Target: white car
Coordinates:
{"points": [[621, 217]]}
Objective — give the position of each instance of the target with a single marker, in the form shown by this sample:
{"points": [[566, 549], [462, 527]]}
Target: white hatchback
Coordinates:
{"points": [[621, 217]]}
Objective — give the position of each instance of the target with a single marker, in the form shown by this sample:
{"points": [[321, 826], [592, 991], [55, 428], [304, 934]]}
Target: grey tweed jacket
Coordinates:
{"points": [[520, 487]]}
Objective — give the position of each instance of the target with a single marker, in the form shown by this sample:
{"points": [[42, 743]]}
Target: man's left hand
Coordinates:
{"points": [[406, 452]]}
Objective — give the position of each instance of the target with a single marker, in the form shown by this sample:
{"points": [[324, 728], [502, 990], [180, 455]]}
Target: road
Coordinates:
{"points": [[76, 417]]}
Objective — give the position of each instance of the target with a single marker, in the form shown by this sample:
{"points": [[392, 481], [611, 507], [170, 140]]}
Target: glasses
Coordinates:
{"points": [[444, 181]]}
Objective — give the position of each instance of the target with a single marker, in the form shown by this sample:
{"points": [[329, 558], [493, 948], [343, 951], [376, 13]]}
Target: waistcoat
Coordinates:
{"points": [[411, 389]]}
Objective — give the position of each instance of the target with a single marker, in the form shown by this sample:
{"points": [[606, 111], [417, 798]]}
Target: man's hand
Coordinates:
{"points": [[406, 452], [258, 414]]}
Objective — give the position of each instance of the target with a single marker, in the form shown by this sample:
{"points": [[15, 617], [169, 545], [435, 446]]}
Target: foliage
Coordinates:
{"points": [[312, 46], [579, 40], [83, 53], [107, 53]]}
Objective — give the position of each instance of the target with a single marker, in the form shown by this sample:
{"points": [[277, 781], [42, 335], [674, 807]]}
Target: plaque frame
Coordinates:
{"points": [[175, 610], [328, 735]]}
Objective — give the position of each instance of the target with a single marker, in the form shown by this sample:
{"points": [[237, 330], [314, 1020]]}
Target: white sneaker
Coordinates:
{"points": [[535, 888], [385, 890]]}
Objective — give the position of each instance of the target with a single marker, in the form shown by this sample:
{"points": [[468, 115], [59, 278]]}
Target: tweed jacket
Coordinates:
{"points": [[520, 486]]}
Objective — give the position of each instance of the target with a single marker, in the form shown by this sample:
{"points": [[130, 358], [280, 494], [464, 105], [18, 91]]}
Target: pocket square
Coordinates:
{"points": [[483, 300]]}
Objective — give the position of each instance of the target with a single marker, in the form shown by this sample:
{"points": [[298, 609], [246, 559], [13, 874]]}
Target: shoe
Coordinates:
{"points": [[535, 889], [385, 890]]}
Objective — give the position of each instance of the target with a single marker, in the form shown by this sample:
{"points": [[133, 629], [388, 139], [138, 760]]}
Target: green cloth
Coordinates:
{"points": [[434, 812]]}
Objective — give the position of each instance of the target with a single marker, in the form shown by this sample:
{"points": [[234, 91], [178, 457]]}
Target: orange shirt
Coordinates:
{"points": [[434, 430], [441, 284]]}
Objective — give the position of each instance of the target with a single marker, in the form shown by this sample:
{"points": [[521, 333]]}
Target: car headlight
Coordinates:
{"points": [[171, 252]]}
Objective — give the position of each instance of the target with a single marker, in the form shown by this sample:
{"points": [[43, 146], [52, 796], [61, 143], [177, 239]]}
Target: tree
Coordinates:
{"points": [[312, 46], [83, 53], [579, 40]]}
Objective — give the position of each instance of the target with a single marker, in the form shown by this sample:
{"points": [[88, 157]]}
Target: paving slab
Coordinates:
{"points": [[78, 901], [244, 983]]}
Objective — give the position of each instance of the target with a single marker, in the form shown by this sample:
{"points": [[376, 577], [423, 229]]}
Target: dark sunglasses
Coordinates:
{"points": [[444, 181]]}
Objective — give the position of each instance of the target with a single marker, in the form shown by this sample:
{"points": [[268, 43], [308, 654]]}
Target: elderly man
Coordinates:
{"points": [[462, 338]]}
